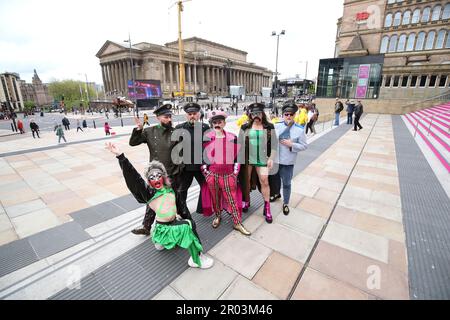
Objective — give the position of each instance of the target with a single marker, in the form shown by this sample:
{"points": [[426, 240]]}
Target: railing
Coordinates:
{"points": [[444, 97], [431, 123]]}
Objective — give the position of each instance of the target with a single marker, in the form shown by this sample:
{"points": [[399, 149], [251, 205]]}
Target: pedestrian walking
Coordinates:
{"points": [[66, 123], [60, 134], [350, 111], [146, 120], [311, 120], [107, 129], [338, 107], [302, 116], [20, 126], [34, 128], [79, 125], [359, 110]]}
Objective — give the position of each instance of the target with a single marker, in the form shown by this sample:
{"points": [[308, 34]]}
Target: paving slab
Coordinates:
{"points": [[364, 243], [302, 221], [210, 284], [168, 293], [242, 254], [369, 275], [293, 244], [34, 222], [278, 275], [57, 239], [244, 289], [317, 286]]}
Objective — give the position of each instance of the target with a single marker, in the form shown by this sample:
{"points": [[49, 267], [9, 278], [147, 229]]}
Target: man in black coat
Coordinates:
{"points": [[34, 128], [359, 110], [158, 140], [188, 138]]}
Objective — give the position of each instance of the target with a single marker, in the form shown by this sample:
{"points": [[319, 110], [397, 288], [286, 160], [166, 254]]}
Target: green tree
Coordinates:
{"points": [[28, 105], [73, 92]]}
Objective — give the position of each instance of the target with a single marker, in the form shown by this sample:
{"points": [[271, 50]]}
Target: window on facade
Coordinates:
{"points": [[426, 15], [447, 44], [440, 39], [391, 1], [420, 41], [387, 81], [436, 13], [397, 19], [413, 82], [433, 81], [393, 43], [423, 81], [401, 43], [384, 44], [446, 14], [430, 40], [406, 17], [405, 81], [416, 16], [396, 81], [442, 81], [388, 21], [410, 43]]}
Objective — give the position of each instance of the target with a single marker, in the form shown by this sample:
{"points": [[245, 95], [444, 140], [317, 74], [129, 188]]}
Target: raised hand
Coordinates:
{"points": [[138, 123], [113, 148]]}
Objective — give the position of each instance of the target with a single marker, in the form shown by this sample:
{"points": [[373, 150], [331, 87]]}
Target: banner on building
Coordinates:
{"points": [[363, 81]]}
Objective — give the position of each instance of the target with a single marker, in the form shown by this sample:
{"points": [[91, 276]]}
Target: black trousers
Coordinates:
{"points": [[184, 182], [357, 124], [275, 184], [37, 132]]}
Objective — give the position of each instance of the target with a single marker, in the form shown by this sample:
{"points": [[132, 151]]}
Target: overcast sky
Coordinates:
{"points": [[59, 38]]}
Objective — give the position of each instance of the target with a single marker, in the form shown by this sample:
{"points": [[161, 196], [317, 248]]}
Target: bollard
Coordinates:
{"points": [[121, 121], [94, 124]]}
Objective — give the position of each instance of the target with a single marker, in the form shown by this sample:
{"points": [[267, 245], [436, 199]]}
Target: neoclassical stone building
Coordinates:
{"points": [[390, 52], [36, 91], [206, 67]]}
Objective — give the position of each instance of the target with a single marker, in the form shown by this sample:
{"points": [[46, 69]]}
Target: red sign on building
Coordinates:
{"points": [[362, 16]]}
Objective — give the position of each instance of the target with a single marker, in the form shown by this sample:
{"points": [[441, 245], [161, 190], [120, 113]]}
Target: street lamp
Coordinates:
{"points": [[306, 76], [132, 76], [275, 86]]}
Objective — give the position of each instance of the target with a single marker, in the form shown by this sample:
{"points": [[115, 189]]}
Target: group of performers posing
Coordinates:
{"points": [[227, 167]]}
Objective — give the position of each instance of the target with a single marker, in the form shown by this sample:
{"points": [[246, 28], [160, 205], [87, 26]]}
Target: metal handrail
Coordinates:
{"points": [[431, 123]]}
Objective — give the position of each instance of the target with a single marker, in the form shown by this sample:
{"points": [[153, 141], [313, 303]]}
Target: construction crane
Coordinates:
{"points": [[181, 92]]}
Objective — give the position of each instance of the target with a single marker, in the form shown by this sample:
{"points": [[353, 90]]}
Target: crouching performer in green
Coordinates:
{"points": [[169, 230]]}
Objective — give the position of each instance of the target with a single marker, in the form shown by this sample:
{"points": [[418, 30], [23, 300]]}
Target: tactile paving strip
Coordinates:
{"points": [[426, 217]]}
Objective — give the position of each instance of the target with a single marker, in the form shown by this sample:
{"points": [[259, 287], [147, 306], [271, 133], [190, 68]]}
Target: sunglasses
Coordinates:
{"points": [[288, 115], [256, 113], [155, 176]]}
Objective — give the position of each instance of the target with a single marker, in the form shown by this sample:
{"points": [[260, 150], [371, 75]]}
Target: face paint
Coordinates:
{"points": [[156, 180]]}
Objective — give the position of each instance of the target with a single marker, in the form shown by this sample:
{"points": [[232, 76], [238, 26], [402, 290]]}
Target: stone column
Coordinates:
{"points": [[177, 73], [170, 76]]}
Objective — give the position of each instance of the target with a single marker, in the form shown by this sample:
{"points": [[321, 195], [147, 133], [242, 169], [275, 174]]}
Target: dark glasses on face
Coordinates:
{"points": [[254, 114], [288, 115], [155, 176]]}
